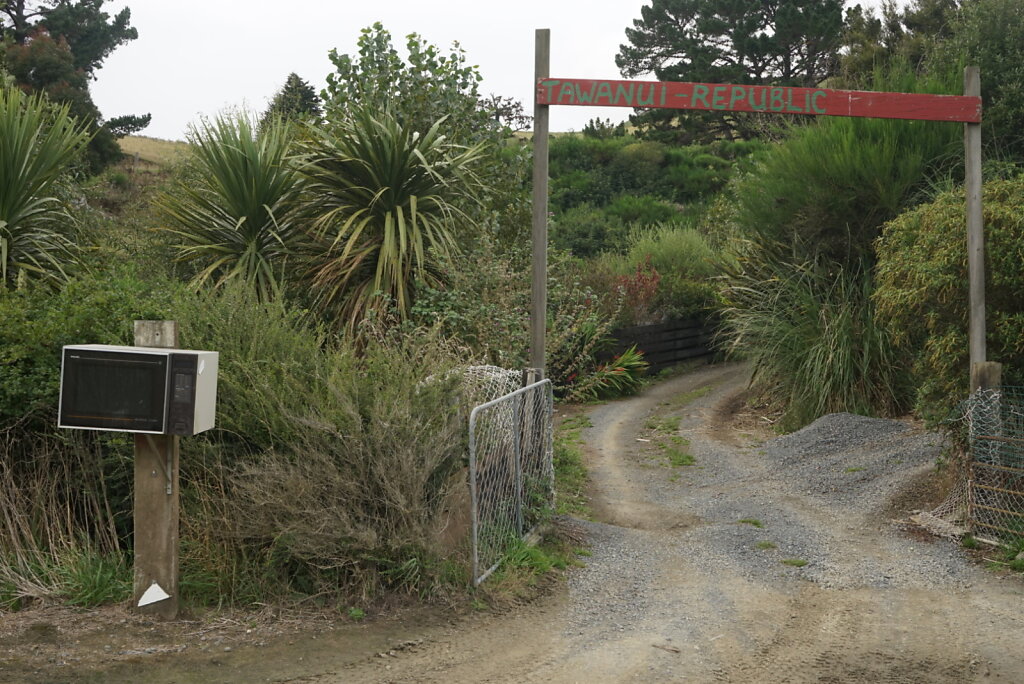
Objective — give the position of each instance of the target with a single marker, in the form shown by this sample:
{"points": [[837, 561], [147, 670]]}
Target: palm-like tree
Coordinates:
{"points": [[37, 143], [232, 210], [383, 203]]}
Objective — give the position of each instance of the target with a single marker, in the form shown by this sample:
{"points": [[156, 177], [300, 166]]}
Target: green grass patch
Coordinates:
{"points": [[664, 424], [969, 542], [678, 458], [570, 473], [691, 396], [1009, 557], [853, 470], [794, 562], [524, 564], [752, 521], [88, 578], [576, 423], [766, 545]]}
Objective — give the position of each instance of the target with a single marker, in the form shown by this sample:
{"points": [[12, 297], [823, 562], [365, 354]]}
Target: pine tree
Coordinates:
{"points": [[297, 100], [762, 42]]}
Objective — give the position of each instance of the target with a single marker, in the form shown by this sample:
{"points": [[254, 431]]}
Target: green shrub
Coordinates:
{"points": [[586, 231], [643, 210], [484, 304], [680, 298], [577, 187], [923, 294], [673, 249], [92, 308]]}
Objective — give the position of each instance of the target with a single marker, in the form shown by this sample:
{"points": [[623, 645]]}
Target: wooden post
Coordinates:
{"points": [[986, 375], [538, 310], [156, 503], [975, 227]]}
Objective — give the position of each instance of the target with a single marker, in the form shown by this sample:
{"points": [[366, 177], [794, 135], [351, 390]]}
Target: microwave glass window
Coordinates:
{"points": [[126, 393], [114, 390]]}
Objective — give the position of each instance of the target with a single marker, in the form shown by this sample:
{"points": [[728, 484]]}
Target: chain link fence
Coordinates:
{"points": [[511, 473], [988, 500], [995, 499]]}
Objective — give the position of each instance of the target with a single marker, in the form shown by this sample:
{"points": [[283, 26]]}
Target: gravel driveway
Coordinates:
{"points": [[763, 561]]}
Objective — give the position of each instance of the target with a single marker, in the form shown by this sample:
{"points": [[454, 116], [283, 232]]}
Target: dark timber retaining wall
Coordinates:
{"points": [[665, 344]]}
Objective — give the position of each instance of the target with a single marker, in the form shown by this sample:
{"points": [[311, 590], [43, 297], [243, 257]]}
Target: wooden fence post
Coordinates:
{"points": [[539, 303], [975, 227], [986, 375], [156, 505]]}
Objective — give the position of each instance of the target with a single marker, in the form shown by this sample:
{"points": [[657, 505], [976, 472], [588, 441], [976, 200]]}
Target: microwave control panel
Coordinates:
{"points": [[181, 392]]}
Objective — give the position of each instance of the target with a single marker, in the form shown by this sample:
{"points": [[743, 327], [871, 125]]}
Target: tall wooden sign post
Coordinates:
{"points": [[539, 291], [964, 109], [155, 587]]}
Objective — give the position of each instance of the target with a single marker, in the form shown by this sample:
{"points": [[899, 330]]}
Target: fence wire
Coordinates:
{"points": [[511, 473], [996, 481]]}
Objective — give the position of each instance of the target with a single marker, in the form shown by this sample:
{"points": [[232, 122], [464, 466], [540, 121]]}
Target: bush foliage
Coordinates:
{"points": [[922, 294]]}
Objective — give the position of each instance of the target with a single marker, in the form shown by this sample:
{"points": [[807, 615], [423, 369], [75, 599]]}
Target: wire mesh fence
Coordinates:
{"points": [[996, 483], [511, 473], [988, 499]]}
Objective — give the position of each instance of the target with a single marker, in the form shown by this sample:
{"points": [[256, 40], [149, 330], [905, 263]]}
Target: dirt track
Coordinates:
{"points": [[677, 589], [687, 579]]}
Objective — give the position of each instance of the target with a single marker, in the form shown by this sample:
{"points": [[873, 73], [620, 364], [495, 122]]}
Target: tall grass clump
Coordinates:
{"points": [[665, 273], [810, 332], [674, 250], [829, 187], [333, 469], [799, 292]]}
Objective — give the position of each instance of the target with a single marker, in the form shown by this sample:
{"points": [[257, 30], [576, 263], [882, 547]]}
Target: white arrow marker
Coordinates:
{"points": [[154, 594]]}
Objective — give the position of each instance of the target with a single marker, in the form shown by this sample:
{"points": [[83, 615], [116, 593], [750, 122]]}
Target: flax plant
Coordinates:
{"points": [[232, 209], [384, 204], [37, 143]]}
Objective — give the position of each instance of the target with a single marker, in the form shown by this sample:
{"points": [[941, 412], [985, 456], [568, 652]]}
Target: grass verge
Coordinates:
{"points": [[570, 473]]}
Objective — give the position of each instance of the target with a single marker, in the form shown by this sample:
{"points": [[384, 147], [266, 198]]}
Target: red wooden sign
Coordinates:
{"points": [[756, 98]]}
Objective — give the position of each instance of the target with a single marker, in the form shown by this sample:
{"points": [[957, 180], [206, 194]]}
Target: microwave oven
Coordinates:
{"points": [[138, 389]]}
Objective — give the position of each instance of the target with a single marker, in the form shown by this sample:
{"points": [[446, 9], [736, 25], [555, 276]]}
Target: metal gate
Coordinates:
{"points": [[511, 472]]}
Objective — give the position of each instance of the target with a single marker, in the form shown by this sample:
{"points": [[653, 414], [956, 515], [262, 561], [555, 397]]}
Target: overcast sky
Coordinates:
{"points": [[197, 57]]}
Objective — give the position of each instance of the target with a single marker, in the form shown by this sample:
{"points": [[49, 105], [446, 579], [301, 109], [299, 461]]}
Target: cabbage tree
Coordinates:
{"points": [[231, 210], [38, 141], [384, 204]]}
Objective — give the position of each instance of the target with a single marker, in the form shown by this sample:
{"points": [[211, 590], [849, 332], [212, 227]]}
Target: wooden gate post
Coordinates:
{"points": [[156, 505], [539, 303], [975, 226]]}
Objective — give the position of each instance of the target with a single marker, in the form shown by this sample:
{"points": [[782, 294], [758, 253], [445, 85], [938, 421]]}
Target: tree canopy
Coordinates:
{"points": [[55, 47], [419, 91], [761, 42]]}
